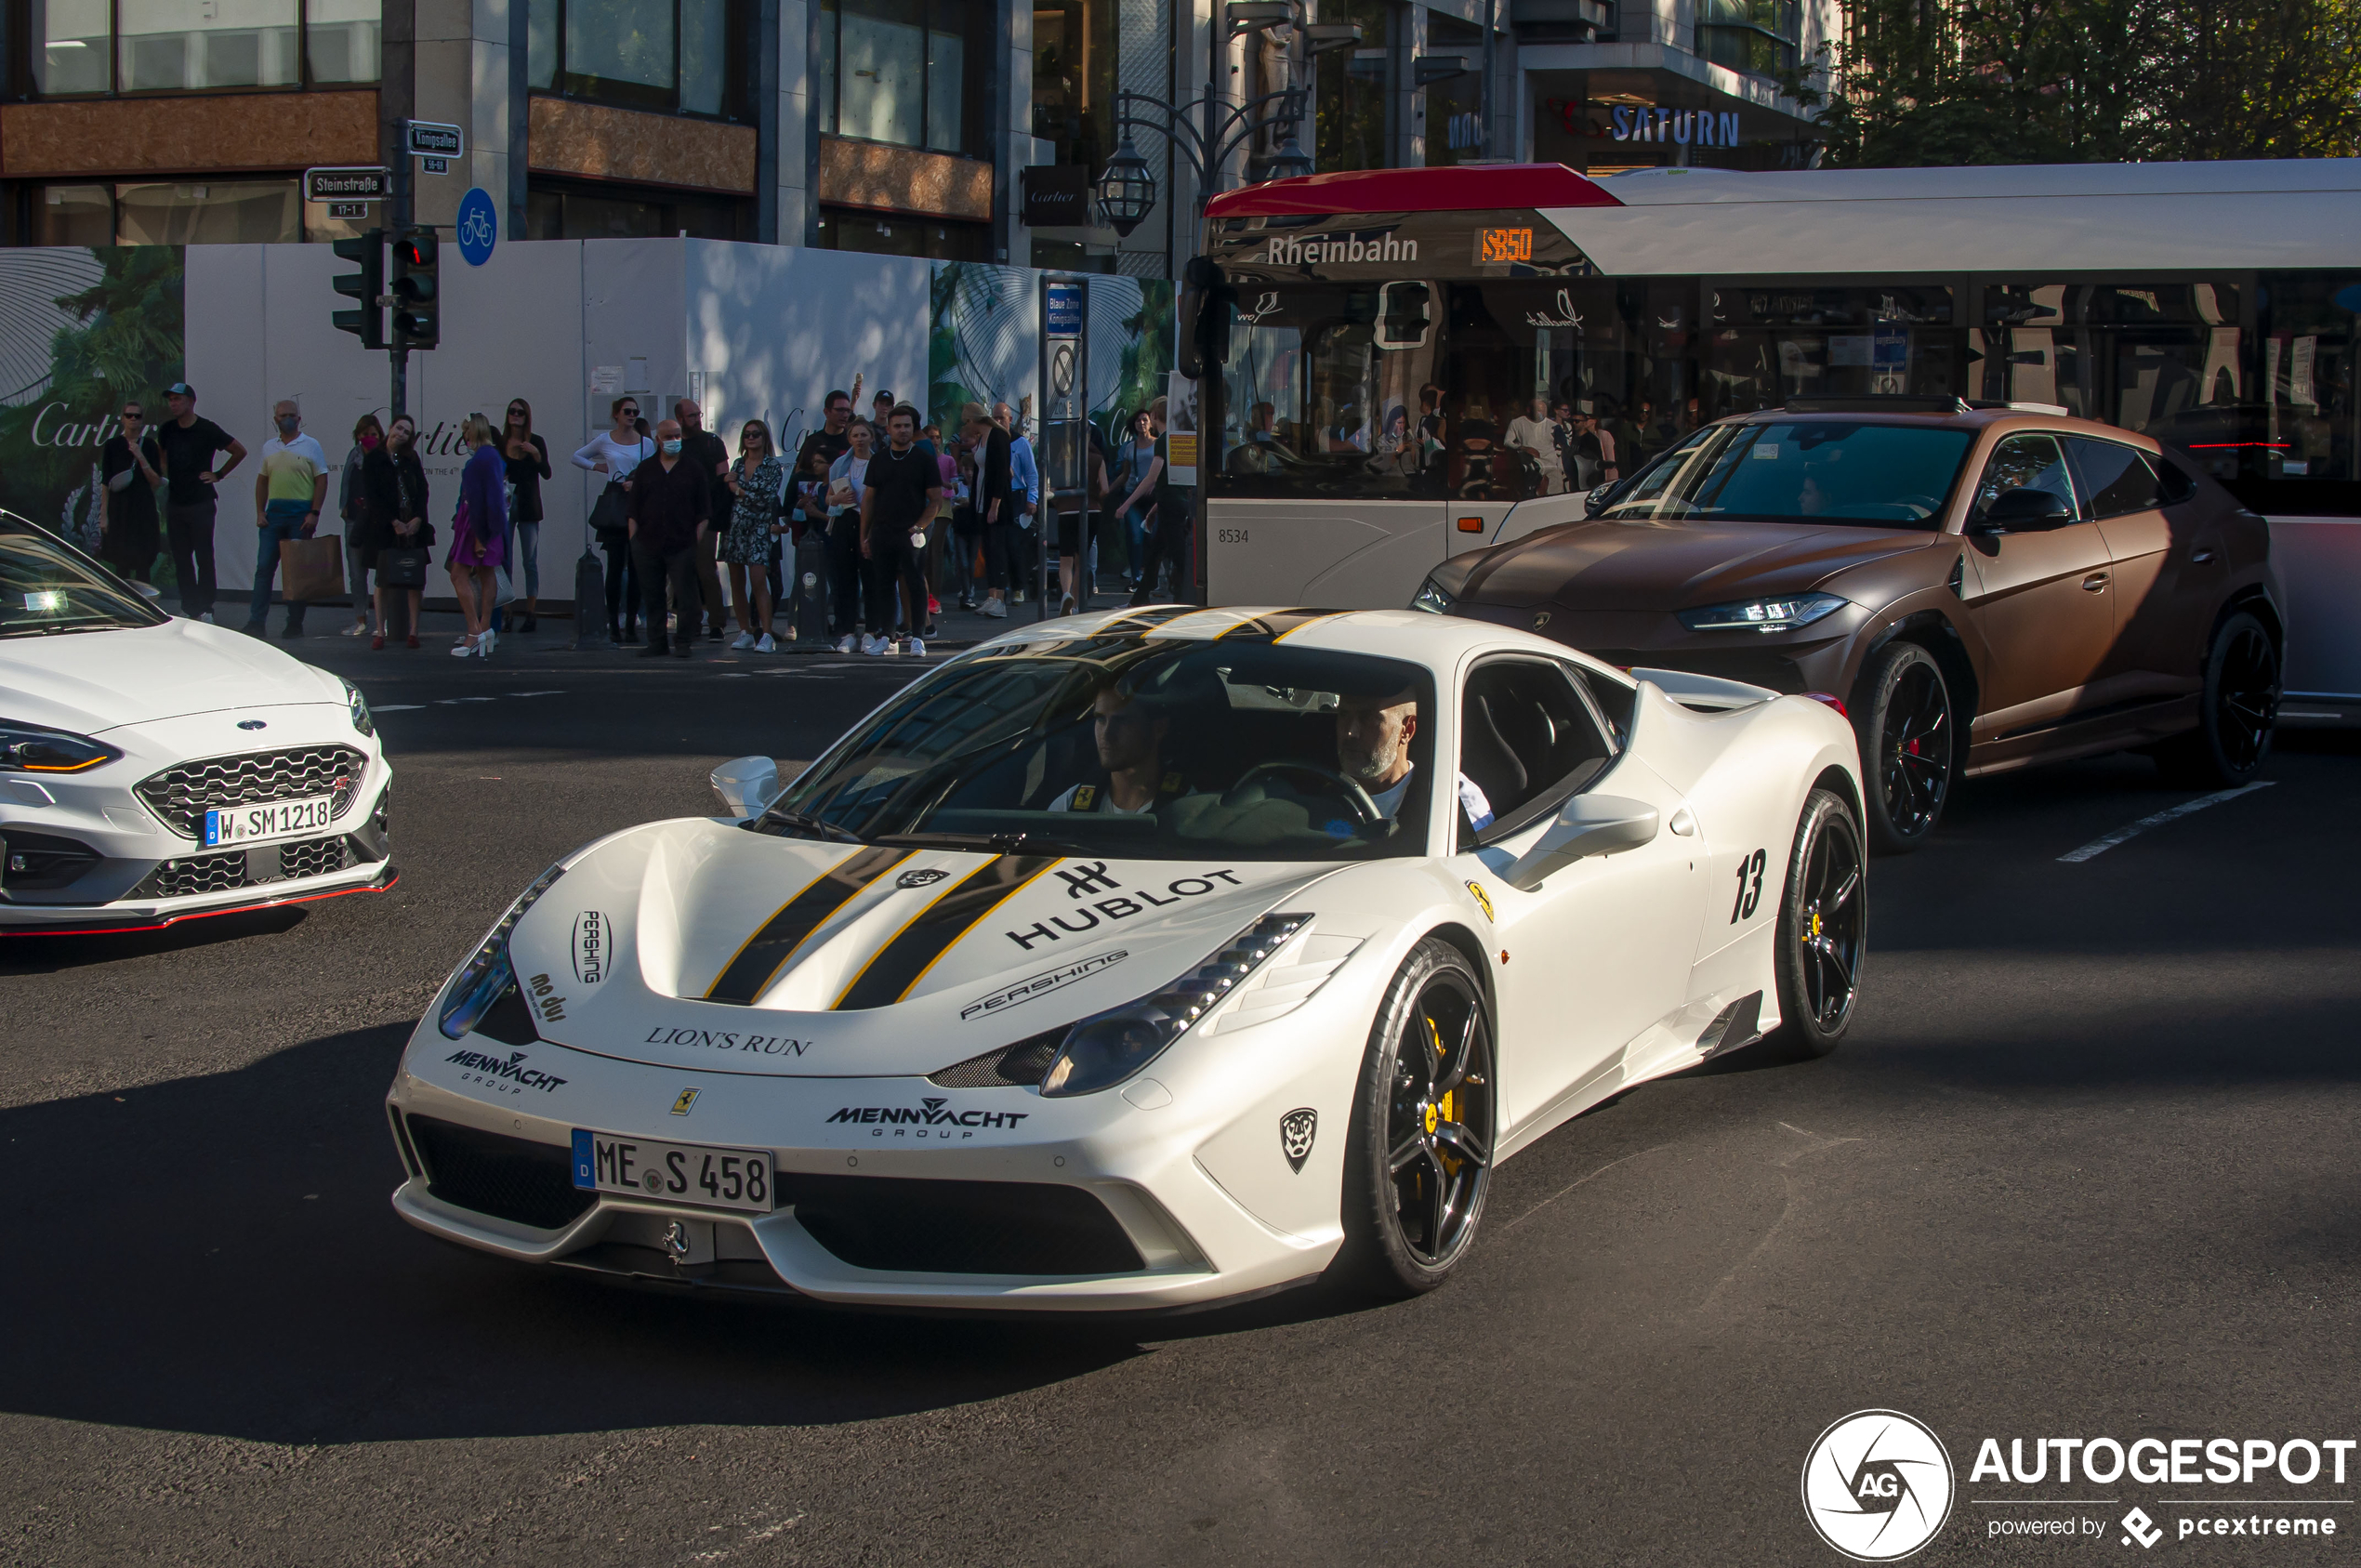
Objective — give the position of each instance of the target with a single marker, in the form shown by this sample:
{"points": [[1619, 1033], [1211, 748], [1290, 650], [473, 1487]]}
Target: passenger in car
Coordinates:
{"points": [[1129, 729]]}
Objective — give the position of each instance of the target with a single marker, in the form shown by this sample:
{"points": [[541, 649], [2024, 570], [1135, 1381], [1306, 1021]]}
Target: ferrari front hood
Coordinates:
{"points": [[700, 944]]}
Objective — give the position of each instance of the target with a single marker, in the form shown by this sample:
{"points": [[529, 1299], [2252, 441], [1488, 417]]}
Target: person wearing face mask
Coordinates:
{"points": [[131, 466], [393, 484], [288, 493], [352, 507], [670, 510]]}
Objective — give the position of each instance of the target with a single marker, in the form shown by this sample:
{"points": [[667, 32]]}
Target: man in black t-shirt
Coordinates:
{"points": [[903, 493], [131, 466], [189, 446], [710, 453]]}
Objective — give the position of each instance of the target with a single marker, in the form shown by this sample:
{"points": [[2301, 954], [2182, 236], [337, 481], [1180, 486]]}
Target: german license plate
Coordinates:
{"points": [[227, 825], [688, 1173]]}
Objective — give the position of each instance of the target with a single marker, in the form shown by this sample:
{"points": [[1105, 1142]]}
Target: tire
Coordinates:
{"points": [[1904, 720], [2236, 709], [1418, 1157], [1823, 927]]}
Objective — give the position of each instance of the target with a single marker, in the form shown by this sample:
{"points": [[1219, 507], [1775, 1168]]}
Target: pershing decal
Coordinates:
{"points": [[591, 945], [1041, 984], [1088, 877]]}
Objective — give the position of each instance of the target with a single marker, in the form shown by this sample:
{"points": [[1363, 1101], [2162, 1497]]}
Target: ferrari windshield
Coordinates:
{"points": [[1138, 748], [47, 589], [1845, 471]]}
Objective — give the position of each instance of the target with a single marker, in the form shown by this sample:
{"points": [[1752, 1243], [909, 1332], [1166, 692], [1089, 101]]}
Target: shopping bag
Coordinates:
{"points": [[312, 569], [401, 568]]}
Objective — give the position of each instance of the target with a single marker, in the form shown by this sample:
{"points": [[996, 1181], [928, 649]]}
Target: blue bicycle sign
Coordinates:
{"points": [[478, 227]]}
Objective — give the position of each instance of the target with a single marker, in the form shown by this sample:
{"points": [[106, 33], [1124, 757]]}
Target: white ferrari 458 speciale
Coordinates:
{"points": [[1140, 960]]}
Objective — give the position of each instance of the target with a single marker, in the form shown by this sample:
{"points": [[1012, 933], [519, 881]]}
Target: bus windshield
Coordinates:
{"points": [[1821, 471]]}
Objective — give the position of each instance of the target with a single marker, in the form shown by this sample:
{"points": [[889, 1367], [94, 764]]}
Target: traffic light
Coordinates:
{"points": [[417, 300], [367, 323]]}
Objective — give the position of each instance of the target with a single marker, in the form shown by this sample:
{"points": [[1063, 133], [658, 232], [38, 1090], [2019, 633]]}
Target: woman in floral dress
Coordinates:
{"points": [[757, 480]]}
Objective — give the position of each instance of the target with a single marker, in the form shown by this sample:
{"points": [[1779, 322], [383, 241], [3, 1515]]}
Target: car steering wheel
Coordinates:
{"points": [[1354, 795]]}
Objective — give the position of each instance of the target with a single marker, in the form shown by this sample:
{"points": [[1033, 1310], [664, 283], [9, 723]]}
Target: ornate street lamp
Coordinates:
{"points": [[1289, 162], [1126, 191]]}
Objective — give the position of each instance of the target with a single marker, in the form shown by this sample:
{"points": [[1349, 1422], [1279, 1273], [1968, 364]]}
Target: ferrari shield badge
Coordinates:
{"points": [[1295, 1130], [1482, 900], [681, 1106]]}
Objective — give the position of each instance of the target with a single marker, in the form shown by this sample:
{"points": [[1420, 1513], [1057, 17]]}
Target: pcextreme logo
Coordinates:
{"points": [[1877, 1485]]}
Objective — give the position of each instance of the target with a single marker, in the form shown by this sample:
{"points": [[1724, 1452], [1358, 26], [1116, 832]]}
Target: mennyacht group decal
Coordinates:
{"points": [[82, 329], [1878, 1485]]}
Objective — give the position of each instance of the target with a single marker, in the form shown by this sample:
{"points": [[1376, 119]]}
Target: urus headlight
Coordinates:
{"points": [[1784, 613], [487, 973], [358, 706], [1432, 598], [1107, 1048], [28, 748]]}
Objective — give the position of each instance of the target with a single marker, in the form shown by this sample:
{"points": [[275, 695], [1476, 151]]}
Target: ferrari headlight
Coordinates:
{"points": [[1432, 598], [487, 973], [1763, 615], [358, 706], [28, 748], [1107, 1048]]}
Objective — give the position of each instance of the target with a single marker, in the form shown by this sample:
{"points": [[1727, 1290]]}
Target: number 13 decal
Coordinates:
{"points": [[1749, 888]]}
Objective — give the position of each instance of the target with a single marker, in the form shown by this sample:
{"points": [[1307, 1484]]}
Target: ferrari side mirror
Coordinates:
{"points": [[1590, 824], [746, 785]]}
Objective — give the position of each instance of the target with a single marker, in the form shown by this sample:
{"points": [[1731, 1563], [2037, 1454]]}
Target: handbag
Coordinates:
{"points": [[611, 519], [401, 566], [312, 569]]}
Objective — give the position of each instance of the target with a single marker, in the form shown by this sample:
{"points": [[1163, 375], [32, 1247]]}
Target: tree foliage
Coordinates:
{"points": [[1943, 82]]}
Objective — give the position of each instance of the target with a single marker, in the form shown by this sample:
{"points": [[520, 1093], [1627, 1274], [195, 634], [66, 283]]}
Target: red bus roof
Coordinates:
{"points": [[1439, 189]]}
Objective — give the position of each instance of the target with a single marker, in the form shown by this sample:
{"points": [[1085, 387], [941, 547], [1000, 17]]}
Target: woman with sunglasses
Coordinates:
{"points": [[755, 480], [615, 453], [527, 457]]}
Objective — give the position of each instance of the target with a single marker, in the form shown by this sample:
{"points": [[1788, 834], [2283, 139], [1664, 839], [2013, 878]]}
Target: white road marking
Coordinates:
{"points": [[2101, 846], [395, 707], [559, 692]]}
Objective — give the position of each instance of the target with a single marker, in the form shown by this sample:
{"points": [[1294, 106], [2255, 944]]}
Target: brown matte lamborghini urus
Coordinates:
{"points": [[1984, 587]]}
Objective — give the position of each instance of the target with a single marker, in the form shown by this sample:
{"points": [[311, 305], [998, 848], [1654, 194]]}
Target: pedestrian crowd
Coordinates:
{"points": [[889, 514]]}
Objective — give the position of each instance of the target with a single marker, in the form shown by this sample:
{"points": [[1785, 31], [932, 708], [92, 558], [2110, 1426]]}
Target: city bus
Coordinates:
{"points": [[1380, 351]]}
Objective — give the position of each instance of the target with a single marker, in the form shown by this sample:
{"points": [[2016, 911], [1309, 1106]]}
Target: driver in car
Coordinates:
{"points": [[1129, 731], [1373, 749]]}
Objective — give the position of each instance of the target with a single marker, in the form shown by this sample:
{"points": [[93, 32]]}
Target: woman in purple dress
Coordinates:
{"points": [[479, 535]]}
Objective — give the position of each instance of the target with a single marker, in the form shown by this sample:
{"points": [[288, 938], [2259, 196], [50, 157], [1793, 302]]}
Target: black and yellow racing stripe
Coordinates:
{"points": [[1276, 625], [897, 966], [1133, 622], [744, 977]]}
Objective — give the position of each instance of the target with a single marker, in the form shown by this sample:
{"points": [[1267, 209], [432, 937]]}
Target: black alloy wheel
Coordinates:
{"points": [[1904, 722], [1824, 925], [1418, 1154], [2237, 711]]}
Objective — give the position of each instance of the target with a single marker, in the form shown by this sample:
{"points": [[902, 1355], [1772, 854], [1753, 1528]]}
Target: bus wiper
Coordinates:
{"points": [[804, 823]]}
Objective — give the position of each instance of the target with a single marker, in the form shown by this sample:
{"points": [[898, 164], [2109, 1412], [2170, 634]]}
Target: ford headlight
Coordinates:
{"points": [[1763, 615], [29, 748], [1107, 1048], [1432, 598], [487, 973], [358, 706]]}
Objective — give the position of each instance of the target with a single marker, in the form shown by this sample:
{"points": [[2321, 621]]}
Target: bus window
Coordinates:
{"points": [[1321, 394]]}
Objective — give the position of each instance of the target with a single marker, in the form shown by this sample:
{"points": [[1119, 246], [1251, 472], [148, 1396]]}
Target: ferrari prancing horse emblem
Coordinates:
{"points": [[1296, 1130]]}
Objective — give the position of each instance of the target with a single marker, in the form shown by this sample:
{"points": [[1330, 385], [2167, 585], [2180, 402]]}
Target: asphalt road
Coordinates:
{"points": [[2086, 1166]]}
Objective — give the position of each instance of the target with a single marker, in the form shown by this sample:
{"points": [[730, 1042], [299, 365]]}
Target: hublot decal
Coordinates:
{"points": [[1094, 879]]}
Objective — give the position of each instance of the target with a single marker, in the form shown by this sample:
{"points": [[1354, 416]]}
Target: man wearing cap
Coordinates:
{"points": [[189, 446]]}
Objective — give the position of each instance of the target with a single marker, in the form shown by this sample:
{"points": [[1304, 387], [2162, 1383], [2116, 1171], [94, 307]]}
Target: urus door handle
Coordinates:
{"points": [[2095, 583], [2201, 557]]}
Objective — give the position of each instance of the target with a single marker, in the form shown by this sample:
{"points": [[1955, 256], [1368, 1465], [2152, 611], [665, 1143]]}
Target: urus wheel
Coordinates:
{"points": [[2235, 712], [1419, 1155], [1904, 722], [1823, 927]]}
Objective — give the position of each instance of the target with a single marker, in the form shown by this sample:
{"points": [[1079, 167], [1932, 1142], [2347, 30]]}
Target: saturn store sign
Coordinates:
{"points": [[1698, 127]]}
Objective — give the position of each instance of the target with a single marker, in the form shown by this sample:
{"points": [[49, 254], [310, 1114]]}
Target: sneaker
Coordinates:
{"points": [[875, 647], [844, 645], [995, 609], [1065, 605], [207, 619], [934, 605], [654, 650], [745, 641], [766, 645], [357, 628], [917, 648], [255, 628]]}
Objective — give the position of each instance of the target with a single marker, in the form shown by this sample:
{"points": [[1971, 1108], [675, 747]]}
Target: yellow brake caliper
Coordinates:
{"points": [[1444, 1110]]}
